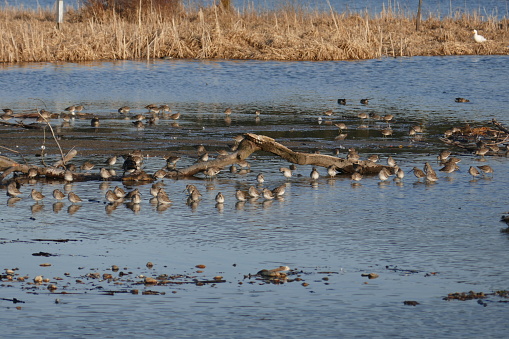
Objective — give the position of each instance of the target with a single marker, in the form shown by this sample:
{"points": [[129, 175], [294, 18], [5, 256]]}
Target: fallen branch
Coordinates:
{"points": [[254, 142]]}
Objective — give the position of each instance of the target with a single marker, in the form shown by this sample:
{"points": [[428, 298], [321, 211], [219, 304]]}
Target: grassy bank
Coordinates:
{"points": [[101, 31]]}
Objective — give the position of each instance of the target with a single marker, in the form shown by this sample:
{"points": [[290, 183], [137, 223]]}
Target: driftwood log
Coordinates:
{"points": [[473, 138], [255, 142], [250, 144]]}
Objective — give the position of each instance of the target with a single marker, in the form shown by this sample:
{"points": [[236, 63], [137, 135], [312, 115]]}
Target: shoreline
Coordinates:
{"points": [[213, 33]]}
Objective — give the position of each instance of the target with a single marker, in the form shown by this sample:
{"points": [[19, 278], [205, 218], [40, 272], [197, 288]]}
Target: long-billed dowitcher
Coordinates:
{"points": [[135, 198], [482, 151], [418, 173], [260, 178], [220, 198], [159, 174], [400, 174], [190, 188], [364, 101], [164, 108], [356, 177], [212, 172], [443, 155], [131, 193], [195, 196], [68, 176], [428, 169], [332, 171], [203, 158], [486, 169], [474, 172], [328, 112], [13, 189], [431, 176], [171, 161], [267, 194], [111, 197], [287, 173], [87, 166], [240, 195], [363, 116], [154, 189], [449, 167], [374, 158], [58, 194], [73, 197], [105, 174], [162, 197], [32, 172], [314, 174], [386, 132], [391, 162], [119, 192], [253, 192], [70, 109], [388, 118], [138, 124], [279, 191], [383, 174], [353, 156], [36, 195], [124, 110]]}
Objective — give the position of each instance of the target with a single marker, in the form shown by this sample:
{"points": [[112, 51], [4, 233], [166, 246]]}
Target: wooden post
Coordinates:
{"points": [[418, 19], [60, 13]]}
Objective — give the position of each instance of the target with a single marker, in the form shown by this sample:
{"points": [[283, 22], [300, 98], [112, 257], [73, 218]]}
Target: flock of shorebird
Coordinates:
{"points": [[132, 199], [133, 162]]}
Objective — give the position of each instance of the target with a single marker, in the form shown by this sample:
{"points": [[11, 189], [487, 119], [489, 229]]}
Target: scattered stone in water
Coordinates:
{"points": [[43, 254], [465, 296], [410, 303], [94, 275], [370, 275], [114, 268], [52, 287], [150, 264], [200, 266], [38, 279], [149, 281], [45, 264]]}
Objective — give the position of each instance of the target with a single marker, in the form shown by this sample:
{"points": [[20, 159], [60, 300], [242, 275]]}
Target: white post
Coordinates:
{"points": [[60, 12]]}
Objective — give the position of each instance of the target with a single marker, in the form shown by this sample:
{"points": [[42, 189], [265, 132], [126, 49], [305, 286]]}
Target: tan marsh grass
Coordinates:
{"points": [[165, 29]]}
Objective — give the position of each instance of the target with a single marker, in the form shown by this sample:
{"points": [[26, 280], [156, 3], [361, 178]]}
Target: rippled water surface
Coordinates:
{"points": [[486, 8], [423, 240]]}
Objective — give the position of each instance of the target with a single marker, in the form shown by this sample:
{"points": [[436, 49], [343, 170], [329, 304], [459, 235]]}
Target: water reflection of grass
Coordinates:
{"points": [[104, 29]]}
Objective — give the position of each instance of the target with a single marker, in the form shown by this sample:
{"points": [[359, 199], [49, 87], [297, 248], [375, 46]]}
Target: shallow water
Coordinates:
{"points": [[424, 240]]}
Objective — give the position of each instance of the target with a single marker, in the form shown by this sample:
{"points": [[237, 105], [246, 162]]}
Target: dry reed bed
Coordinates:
{"points": [[213, 33]]}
